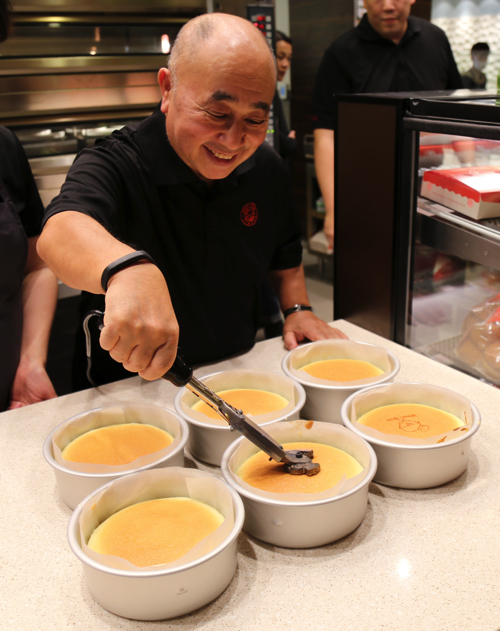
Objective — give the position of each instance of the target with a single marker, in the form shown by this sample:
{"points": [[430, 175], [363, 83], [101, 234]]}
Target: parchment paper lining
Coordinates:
{"points": [[114, 414], [151, 485], [423, 394], [338, 349], [247, 380], [298, 431]]}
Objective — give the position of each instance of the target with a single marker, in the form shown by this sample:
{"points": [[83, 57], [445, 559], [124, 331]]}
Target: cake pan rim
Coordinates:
{"points": [[143, 574], [288, 503], [49, 456], [476, 423], [385, 377], [226, 428]]}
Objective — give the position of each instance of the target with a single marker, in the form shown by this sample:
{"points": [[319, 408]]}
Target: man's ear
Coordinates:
{"points": [[165, 83]]}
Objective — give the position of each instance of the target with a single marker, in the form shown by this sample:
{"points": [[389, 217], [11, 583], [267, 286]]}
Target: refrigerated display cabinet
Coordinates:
{"points": [[407, 267]]}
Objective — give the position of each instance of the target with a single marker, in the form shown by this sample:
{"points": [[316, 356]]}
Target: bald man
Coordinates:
{"points": [[194, 186]]}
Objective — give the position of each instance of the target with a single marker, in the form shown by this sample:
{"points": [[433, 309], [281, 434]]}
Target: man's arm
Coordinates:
{"points": [[140, 327], [31, 383], [323, 162], [291, 289]]}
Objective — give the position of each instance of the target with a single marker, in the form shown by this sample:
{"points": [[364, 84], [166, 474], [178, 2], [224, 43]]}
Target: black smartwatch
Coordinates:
{"points": [[122, 263], [296, 309]]}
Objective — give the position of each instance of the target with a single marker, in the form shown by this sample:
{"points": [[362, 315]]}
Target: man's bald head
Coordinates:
{"points": [[217, 93], [218, 35]]}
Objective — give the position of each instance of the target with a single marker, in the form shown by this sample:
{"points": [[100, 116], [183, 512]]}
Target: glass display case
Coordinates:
{"points": [[417, 223]]}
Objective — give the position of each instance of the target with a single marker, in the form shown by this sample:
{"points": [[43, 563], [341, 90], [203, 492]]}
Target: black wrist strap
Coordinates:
{"points": [[296, 309], [122, 263]]}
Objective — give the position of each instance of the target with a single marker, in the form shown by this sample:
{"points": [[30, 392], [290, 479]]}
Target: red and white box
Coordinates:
{"points": [[472, 191]]}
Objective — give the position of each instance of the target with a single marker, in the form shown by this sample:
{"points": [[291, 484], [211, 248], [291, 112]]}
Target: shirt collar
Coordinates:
{"points": [[164, 163], [368, 33]]}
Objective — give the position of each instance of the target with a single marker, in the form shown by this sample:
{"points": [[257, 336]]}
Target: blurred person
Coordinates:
{"points": [[287, 143], [474, 78], [283, 54], [389, 51], [196, 187], [28, 289]]}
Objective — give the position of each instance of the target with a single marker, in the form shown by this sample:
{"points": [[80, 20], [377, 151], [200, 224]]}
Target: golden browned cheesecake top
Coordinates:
{"points": [[261, 473], [155, 532], [342, 369], [412, 420], [117, 444], [251, 401]]}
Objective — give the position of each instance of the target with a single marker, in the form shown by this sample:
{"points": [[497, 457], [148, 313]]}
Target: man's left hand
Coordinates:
{"points": [[305, 326]]}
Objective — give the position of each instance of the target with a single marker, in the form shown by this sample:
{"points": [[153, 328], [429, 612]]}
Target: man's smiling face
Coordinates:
{"points": [[217, 115]]}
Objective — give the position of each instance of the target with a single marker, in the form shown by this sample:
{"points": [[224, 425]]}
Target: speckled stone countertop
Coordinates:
{"points": [[421, 560]]}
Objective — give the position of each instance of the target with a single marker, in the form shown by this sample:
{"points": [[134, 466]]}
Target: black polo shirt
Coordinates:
{"points": [[362, 61], [215, 246], [16, 173]]}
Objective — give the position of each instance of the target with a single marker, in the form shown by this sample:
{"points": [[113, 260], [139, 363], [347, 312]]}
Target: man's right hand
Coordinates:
{"points": [[140, 328]]}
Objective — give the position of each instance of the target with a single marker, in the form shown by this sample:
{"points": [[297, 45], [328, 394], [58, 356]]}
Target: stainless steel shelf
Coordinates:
{"points": [[444, 230]]}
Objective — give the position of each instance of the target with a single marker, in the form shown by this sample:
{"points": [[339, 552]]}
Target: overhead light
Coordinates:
{"points": [[165, 44]]}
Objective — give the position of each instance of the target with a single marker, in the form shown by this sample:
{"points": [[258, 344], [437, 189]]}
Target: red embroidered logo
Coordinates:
{"points": [[249, 214]]}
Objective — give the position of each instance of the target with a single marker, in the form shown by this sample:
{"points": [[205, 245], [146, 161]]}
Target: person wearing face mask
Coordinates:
{"points": [[287, 143], [173, 223], [474, 78]]}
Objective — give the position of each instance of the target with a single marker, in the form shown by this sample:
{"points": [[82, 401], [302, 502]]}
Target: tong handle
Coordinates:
{"points": [[179, 373]]}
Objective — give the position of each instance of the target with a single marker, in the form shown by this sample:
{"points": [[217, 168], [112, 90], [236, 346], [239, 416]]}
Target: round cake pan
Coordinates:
{"points": [[323, 402], [74, 486], [417, 466], [208, 442], [159, 594], [305, 524]]}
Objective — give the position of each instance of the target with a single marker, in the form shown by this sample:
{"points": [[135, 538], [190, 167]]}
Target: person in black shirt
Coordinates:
{"points": [[28, 289], [389, 51], [194, 186], [287, 143]]}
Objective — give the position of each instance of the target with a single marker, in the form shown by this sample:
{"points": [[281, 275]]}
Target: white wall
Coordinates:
{"points": [[467, 22], [282, 15]]}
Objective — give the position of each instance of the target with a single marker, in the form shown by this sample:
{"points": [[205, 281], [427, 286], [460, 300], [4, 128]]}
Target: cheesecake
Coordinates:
{"points": [[412, 420], [342, 369], [254, 402], [155, 532], [267, 475], [117, 444]]}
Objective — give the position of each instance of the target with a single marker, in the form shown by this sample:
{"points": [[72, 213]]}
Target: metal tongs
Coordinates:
{"points": [[295, 461]]}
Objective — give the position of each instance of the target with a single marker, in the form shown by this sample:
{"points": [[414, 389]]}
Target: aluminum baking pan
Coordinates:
{"points": [[306, 524], [323, 402], [417, 466], [160, 594], [208, 442], [75, 485]]}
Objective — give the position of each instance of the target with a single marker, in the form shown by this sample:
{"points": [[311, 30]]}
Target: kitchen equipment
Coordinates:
{"points": [[209, 440], [323, 400], [296, 462], [306, 523], [417, 466], [165, 593], [75, 485]]}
